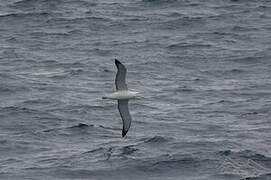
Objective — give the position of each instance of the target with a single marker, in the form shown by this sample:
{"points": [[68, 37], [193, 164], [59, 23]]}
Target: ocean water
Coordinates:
{"points": [[204, 67]]}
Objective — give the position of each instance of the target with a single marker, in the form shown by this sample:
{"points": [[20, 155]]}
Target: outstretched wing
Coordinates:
{"points": [[120, 77], [125, 115]]}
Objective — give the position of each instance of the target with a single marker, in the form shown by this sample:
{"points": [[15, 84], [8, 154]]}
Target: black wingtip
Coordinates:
{"points": [[117, 62], [124, 133]]}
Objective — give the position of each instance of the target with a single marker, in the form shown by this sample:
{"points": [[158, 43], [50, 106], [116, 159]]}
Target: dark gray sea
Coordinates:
{"points": [[203, 66]]}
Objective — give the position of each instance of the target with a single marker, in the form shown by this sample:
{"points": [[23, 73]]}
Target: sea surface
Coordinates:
{"points": [[203, 66]]}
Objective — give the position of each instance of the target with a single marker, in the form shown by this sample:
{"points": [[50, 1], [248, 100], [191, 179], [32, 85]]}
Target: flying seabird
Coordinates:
{"points": [[123, 95]]}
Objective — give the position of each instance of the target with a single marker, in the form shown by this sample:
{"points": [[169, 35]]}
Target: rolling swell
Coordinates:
{"points": [[202, 66]]}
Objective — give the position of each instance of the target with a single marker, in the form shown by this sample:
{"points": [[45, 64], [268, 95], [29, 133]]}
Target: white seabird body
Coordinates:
{"points": [[122, 95]]}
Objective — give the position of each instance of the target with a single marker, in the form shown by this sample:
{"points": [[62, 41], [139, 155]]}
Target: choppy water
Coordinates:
{"points": [[203, 66]]}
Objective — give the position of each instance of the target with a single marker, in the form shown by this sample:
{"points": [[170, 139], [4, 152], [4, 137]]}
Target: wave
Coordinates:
{"points": [[65, 74], [49, 34], [71, 130], [36, 15], [80, 126], [186, 45], [155, 139], [94, 130], [174, 162], [253, 155], [247, 59], [129, 150], [159, 1], [16, 109], [34, 3], [95, 20], [182, 22], [246, 164], [6, 90], [97, 150]]}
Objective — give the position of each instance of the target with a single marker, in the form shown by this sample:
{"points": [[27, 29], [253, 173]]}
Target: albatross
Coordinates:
{"points": [[123, 95]]}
